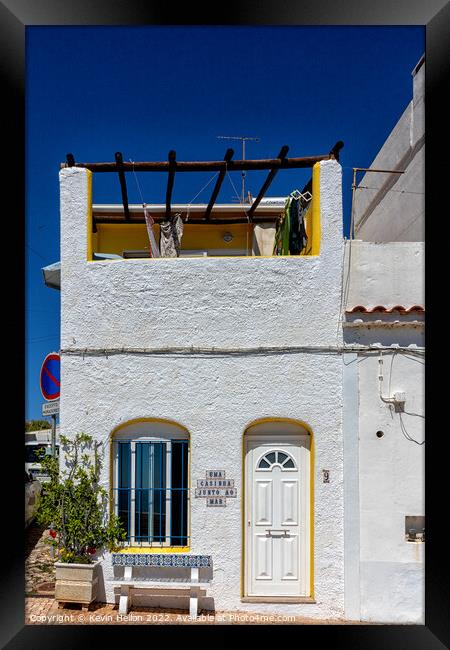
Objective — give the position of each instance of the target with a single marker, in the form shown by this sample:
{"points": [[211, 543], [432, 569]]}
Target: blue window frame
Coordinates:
{"points": [[151, 491]]}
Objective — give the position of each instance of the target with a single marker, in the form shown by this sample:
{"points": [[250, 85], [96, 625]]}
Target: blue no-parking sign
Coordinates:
{"points": [[50, 376]]}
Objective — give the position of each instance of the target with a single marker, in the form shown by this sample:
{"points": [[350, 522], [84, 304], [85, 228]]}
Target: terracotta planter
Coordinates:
{"points": [[76, 583]]}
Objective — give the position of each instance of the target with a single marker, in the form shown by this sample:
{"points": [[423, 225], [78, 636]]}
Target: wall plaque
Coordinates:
{"points": [[215, 488], [215, 482], [216, 501], [215, 492], [215, 473]]}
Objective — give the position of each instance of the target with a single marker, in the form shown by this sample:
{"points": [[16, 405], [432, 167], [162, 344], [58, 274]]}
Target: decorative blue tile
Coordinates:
{"points": [[160, 559]]}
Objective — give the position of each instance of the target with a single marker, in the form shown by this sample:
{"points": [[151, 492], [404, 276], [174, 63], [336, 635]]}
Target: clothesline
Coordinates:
{"points": [[366, 187], [290, 236]]}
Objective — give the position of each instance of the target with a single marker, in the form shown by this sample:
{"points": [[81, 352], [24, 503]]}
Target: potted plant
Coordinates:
{"points": [[75, 507]]}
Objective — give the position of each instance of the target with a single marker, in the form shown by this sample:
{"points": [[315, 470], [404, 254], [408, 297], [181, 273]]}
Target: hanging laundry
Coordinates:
{"points": [[295, 246], [282, 233], [290, 236], [154, 250], [263, 239], [302, 228], [171, 234]]}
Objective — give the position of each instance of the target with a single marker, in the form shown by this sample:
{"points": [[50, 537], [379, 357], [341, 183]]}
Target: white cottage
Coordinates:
{"points": [[236, 394], [187, 366]]}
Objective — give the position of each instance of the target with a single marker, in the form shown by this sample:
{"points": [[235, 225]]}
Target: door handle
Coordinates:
{"points": [[285, 532]]}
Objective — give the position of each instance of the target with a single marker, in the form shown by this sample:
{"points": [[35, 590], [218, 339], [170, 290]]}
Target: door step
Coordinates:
{"points": [[278, 599]]}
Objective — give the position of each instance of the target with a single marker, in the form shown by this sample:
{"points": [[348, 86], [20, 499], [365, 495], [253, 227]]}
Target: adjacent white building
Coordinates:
{"points": [[384, 298], [389, 206]]}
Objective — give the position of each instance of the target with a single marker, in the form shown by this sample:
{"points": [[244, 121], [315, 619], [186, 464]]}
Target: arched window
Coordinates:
{"points": [[151, 482], [277, 458]]}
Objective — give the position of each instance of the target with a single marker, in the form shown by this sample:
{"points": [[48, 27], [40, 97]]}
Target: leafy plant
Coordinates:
{"points": [[36, 425], [75, 505]]}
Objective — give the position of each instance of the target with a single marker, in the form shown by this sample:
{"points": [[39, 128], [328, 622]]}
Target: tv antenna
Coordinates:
{"points": [[243, 138]]}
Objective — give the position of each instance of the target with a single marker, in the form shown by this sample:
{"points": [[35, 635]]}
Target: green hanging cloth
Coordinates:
{"points": [[282, 232]]}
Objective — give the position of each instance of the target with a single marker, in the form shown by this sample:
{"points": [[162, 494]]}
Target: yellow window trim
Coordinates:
{"points": [[147, 549], [154, 549]]}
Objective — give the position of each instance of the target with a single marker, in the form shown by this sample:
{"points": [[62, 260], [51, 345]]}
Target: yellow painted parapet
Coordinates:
{"points": [[313, 216], [90, 243]]}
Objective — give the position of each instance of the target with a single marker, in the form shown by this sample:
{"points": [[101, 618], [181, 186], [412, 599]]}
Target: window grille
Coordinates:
{"points": [[151, 491]]}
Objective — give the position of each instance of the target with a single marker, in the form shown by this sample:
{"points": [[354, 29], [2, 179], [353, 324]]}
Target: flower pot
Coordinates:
{"points": [[76, 583]]}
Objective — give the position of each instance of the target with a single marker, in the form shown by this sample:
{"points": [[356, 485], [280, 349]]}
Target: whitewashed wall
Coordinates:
{"points": [[387, 274], [384, 476], [391, 482], [223, 303], [185, 301]]}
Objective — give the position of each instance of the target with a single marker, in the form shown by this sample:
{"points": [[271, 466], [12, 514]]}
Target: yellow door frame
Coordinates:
{"points": [[307, 428]]}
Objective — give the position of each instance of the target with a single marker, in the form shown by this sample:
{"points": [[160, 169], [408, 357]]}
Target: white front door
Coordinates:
{"points": [[277, 516]]}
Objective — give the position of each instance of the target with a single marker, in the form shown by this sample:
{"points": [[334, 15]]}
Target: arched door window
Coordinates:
{"points": [[277, 458]]}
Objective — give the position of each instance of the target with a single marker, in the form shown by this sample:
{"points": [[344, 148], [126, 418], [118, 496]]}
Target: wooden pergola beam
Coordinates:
{"points": [[273, 172], [334, 153], [228, 156], [123, 183], [210, 166]]}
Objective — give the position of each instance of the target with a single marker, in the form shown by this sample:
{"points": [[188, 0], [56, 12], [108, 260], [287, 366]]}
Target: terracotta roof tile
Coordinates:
{"points": [[387, 310]]}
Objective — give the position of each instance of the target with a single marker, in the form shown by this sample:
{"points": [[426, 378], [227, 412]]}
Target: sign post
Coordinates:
{"points": [[50, 389], [52, 409], [53, 435]]}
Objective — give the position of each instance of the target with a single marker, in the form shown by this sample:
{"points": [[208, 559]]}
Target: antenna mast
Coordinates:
{"points": [[243, 138]]}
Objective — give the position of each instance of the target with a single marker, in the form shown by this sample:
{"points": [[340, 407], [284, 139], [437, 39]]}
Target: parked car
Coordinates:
{"points": [[33, 489], [32, 458]]}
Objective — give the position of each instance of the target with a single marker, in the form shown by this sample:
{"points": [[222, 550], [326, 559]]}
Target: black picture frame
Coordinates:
{"points": [[15, 16]]}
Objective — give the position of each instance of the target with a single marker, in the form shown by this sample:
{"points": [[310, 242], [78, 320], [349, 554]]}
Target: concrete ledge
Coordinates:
{"points": [[278, 599], [159, 584]]}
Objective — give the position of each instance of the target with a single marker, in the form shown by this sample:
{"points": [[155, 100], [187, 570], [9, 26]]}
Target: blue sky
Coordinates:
{"points": [[93, 91]]}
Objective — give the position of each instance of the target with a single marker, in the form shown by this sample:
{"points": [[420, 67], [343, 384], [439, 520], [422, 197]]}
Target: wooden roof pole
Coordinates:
{"points": [[228, 156], [210, 166], [123, 183], [334, 153], [170, 180], [273, 172]]}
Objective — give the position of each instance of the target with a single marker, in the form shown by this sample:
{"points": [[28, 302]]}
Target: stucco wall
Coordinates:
{"points": [[214, 302], [391, 484], [216, 399], [384, 476], [386, 274], [222, 303]]}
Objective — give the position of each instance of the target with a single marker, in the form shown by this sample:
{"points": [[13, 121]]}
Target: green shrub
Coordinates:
{"points": [[75, 505]]}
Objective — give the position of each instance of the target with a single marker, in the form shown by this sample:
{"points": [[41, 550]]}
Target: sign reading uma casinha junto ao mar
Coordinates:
{"points": [[215, 488]]}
